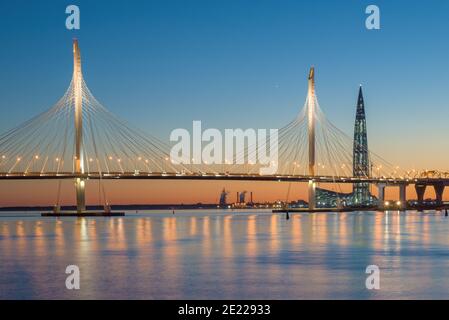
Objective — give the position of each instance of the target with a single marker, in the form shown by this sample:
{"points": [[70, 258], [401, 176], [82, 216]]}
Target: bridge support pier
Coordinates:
{"points": [[80, 187], [403, 196], [420, 190], [439, 189], [312, 195], [381, 193]]}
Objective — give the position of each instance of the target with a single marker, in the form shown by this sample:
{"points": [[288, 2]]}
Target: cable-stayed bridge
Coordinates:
{"points": [[78, 138]]}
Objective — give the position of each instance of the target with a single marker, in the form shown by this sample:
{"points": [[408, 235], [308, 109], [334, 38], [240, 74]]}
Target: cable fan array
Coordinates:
{"points": [[46, 143], [333, 149]]}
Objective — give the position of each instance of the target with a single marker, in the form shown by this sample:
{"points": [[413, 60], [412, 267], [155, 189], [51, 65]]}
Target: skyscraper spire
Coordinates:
{"points": [[360, 107], [361, 166]]}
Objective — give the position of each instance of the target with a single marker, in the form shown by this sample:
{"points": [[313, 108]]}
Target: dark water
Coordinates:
{"points": [[226, 255]]}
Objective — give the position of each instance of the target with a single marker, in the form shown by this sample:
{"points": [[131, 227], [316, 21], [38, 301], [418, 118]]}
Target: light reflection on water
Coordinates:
{"points": [[226, 255]]}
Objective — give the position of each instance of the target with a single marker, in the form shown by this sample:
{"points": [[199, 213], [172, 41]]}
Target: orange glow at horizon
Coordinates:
{"points": [[44, 193]]}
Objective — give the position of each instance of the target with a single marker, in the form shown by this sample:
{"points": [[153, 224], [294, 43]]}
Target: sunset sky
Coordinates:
{"points": [[232, 64]]}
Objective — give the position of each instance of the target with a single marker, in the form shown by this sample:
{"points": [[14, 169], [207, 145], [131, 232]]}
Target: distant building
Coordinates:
{"points": [[242, 197], [223, 199], [298, 204], [361, 163], [332, 199]]}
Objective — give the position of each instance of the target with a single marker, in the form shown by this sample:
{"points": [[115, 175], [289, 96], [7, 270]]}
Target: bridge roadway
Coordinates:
{"points": [[220, 176], [421, 184]]}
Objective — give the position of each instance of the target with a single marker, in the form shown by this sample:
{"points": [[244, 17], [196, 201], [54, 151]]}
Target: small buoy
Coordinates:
{"points": [[287, 216]]}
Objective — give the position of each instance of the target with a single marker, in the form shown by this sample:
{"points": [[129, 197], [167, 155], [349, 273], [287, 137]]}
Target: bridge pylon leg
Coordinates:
{"points": [[80, 195], [403, 196], [381, 194], [312, 195]]}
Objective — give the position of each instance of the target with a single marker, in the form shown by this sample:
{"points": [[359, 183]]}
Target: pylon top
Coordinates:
{"points": [[312, 73]]}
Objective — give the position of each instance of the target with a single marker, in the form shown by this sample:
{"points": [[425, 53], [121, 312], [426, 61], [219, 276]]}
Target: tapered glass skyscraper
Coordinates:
{"points": [[361, 165]]}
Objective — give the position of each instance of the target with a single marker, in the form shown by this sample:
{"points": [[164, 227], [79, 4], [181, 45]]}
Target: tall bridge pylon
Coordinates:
{"points": [[78, 95], [310, 105]]}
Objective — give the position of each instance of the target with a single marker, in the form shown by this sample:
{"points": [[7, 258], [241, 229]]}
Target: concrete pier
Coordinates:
{"points": [[312, 194], [381, 193], [403, 196], [420, 190], [439, 189]]}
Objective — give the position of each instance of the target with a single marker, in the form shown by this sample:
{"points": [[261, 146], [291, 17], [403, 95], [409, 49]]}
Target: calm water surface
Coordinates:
{"points": [[226, 255]]}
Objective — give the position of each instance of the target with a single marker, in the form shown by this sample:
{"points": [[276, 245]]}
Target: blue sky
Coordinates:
{"points": [[162, 64]]}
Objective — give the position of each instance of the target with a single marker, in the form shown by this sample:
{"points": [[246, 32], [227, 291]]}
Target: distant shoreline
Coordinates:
{"points": [[127, 207]]}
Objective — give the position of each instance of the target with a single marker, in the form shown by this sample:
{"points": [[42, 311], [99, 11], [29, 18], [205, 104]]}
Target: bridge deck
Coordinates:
{"points": [[213, 176]]}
